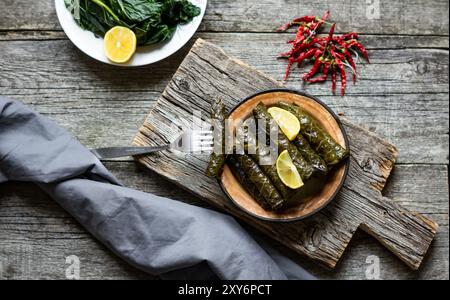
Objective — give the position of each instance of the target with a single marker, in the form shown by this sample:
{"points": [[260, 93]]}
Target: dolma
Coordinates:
{"points": [[270, 170], [265, 189], [310, 155], [330, 150], [238, 172], [217, 160], [303, 167]]}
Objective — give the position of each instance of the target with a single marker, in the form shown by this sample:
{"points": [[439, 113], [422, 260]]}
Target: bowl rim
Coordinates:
{"points": [[346, 164]]}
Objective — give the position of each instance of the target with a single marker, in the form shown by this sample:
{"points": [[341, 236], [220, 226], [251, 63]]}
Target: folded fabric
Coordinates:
{"points": [[160, 236]]}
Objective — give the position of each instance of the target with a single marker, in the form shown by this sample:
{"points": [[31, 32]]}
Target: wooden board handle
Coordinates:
{"points": [[406, 234]]}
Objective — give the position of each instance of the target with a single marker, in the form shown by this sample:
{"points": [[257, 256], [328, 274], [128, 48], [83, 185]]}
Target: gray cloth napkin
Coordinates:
{"points": [[160, 236]]}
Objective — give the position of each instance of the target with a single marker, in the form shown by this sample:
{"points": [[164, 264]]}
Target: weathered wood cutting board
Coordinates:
{"points": [[206, 73]]}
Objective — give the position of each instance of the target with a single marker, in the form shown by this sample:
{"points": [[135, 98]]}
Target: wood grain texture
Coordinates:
{"points": [[266, 15], [396, 98], [37, 235], [208, 72], [408, 107]]}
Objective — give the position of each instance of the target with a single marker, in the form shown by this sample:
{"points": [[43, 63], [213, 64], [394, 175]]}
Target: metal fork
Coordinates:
{"points": [[189, 141]]}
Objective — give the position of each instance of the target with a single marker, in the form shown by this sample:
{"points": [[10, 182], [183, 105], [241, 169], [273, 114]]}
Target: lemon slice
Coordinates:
{"points": [[287, 121], [288, 172], [120, 44]]}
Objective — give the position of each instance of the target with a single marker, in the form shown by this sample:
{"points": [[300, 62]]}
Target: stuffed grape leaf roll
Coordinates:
{"points": [[266, 191], [241, 176], [330, 150], [217, 158], [310, 155], [262, 156], [303, 167]]}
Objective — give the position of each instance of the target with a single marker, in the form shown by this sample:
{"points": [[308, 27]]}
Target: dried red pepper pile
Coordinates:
{"points": [[330, 54]]}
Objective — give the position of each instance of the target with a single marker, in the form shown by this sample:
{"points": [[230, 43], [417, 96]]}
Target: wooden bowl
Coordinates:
{"points": [[312, 202]]}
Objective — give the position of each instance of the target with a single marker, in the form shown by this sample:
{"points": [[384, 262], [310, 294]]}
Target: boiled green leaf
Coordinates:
{"points": [[152, 21]]}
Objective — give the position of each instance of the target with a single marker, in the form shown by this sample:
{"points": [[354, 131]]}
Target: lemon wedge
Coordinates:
{"points": [[120, 44], [287, 121], [288, 172]]}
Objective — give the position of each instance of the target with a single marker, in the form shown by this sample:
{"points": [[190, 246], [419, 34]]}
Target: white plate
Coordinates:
{"points": [[92, 46]]}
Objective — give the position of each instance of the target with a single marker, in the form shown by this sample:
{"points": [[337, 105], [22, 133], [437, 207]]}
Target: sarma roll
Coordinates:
{"points": [[238, 172], [269, 167], [217, 160], [330, 150], [303, 167], [265, 189], [310, 155]]}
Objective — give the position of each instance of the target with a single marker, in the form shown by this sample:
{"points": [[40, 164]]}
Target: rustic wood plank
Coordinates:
{"points": [[33, 228], [367, 109], [409, 103], [108, 117], [266, 15], [378, 41], [47, 63], [208, 72]]}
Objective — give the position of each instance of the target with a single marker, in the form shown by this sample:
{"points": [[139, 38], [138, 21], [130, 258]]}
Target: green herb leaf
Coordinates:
{"points": [[152, 21]]}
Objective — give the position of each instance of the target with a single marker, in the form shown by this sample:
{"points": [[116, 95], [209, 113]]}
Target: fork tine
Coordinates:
{"points": [[208, 138]]}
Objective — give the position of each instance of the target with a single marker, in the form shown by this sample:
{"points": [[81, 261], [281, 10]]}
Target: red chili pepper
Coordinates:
{"points": [[338, 61], [336, 55], [350, 36], [360, 48], [304, 19], [284, 54], [313, 70], [352, 64], [288, 69], [344, 80], [333, 81], [320, 23], [326, 69], [298, 49], [299, 36], [324, 17], [331, 53], [305, 55], [330, 34], [346, 56], [284, 27], [343, 75]]}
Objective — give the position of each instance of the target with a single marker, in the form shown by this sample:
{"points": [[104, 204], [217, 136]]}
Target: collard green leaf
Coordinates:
{"points": [[135, 11], [152, 21]]}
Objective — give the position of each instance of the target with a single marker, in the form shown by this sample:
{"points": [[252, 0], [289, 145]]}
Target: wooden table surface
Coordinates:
{"points": [[403, 95]]}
